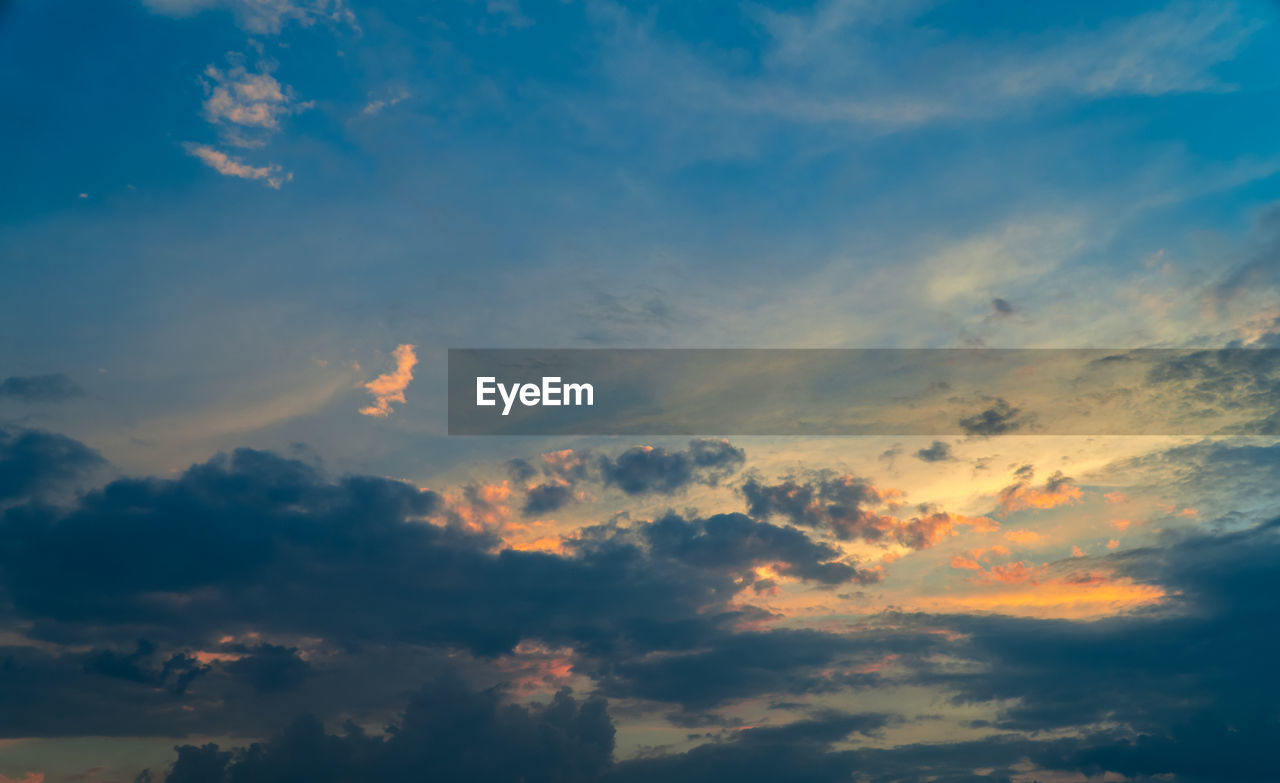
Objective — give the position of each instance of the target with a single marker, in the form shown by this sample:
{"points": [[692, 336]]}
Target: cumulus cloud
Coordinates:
{"points": [[645, 469], [238, 97], [550, 496], [936, 452], [448, 732], [389, 387], [32, 462]]}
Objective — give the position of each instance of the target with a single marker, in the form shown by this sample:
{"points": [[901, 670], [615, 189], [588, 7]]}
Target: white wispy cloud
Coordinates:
{"points": [[376, 105], [263, 17], [389, 387], [870, 64], [224, 164]]}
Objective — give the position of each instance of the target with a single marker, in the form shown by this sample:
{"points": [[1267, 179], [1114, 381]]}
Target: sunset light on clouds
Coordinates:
{"points": [[1000, 502]]}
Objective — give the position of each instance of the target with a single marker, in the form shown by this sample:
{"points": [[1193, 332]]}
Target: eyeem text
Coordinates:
{"points": [[550, 392]]}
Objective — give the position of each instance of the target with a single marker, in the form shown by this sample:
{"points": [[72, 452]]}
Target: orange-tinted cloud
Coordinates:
{"points": [[1057, 491], [389, 387], [1022, 536], [1029, 591]]}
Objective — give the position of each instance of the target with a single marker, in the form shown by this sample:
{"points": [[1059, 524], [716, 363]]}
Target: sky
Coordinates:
{"points": [[238, 238]]}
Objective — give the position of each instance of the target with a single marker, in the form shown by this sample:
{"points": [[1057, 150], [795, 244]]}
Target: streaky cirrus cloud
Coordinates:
{"points": [[389, 387]]}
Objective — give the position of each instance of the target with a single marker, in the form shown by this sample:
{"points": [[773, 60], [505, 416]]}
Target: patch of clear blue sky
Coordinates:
{"points": [[621, 148]]}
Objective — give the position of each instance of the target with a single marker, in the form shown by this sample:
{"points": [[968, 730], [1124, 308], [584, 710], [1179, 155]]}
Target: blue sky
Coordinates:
{"points": [[714, 174], [221, 218]]}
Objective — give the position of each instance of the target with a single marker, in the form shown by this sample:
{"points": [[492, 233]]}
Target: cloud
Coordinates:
{"points": [[937, 452], [840, 503], [184, 563], [271, 668], [848, 507], [240, 98], [377, 105], [232, 167], [448, 732], [547, 497], [262, 17], [1058, 490], [645, 469], [844, 64], [33, 462], [737, 544], [647, 612], [998, 419], [389, 387], [54, 387]]}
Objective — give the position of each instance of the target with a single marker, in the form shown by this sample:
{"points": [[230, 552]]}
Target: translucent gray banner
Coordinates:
{"points": [[974, 392]]}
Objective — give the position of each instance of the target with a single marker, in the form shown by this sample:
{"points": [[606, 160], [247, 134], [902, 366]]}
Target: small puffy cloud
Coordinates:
{"points": [[937, 452], [547, 497], [226, 165], [54, 387], [644, 469], [389, 387], [998, 419], [239, 97]]}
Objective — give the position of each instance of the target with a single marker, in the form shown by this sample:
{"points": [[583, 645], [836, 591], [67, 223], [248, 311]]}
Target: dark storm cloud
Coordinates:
{"points": [[736, 543], [748, 664], [33, 461], [107, 692], [451, 733], [799, 751], [547, 497], [1193, 683], [54, 387], [937, 452], [271, 668], [346, 560], [447, 733], [1001, 307], [998, 419], [252, 543], [645, 469]]}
